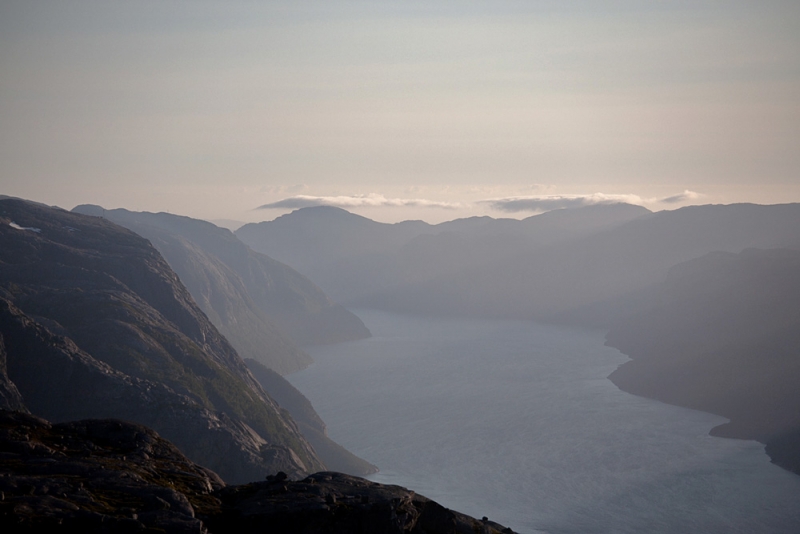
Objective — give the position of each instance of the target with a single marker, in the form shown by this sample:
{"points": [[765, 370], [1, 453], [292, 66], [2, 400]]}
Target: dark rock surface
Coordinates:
{"points": [[722, 335], [110, 476], [96, 324], [97, 476], [10, 398], [336, 503]]}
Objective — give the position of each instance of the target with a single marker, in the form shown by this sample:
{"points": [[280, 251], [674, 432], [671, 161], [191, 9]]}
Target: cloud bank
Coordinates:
{"points": [[357, 201], [533, 203], [554, 202], [681, 197]]}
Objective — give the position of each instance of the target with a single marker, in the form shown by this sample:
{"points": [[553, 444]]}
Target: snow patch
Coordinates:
{"points": [[18, 227]]}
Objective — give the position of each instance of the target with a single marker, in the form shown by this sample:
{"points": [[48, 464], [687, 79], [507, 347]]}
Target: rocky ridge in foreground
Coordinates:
{"points": [[112, 476]]}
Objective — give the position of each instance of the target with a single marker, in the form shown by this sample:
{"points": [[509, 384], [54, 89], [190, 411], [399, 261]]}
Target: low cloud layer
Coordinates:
{"points": [[686, 196], [533, 203], [357, 201], [553, 202]]}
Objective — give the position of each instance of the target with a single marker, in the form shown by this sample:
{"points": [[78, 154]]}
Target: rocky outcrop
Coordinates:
{"points": [[111, 476], [96, 324], [337, 503], [98, 476]]}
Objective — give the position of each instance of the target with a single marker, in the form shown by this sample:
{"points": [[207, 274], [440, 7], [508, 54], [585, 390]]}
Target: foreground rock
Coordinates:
{"points": [[334, 503], [97, 475], [112, 476]]}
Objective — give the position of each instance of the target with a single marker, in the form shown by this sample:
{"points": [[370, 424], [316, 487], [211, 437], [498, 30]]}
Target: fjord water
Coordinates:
{"points": [[518, 422]]}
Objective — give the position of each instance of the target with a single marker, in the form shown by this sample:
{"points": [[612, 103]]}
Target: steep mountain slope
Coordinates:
{"points": [[205, 257], [336, 457], [95, 323], [723, 336], [273, 293]]}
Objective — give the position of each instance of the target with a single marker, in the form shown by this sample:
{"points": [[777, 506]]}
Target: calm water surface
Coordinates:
{"points": [[518, 422]]}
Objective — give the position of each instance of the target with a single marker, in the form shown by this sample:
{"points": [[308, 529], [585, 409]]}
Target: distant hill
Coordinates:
{"points": [[627, 258], [261, 305], [544, 267], [413, 266], [722, 335], [344, 253], [94, 323]]}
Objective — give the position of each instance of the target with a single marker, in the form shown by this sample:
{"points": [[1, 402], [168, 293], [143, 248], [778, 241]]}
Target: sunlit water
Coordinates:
{"points": [[518, 422]]}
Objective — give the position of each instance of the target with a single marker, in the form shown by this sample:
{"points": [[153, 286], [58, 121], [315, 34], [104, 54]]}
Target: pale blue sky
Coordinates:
{"points": [[398, 109]]}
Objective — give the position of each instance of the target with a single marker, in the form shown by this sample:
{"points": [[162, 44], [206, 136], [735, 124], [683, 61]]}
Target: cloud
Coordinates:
{"points": [[357, 201], [681, 197], [527, 203], [543, 203]]}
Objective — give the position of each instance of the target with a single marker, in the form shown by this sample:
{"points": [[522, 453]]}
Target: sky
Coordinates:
{"points": [[435, 110]]}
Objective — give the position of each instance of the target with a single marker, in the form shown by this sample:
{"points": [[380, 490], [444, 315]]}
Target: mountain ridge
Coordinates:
{"points": [[128, 331], [287, 299]]}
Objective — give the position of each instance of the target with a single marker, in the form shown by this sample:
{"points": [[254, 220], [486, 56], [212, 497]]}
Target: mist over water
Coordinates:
{"points": [[517, 421]]}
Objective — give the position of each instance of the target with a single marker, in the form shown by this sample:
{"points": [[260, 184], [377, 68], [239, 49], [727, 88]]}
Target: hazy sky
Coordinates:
{"points": [[405, 109]]}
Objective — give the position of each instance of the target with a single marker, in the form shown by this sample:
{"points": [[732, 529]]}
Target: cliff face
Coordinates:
{"points": [[10, 399], [96, 324], [111, 476], [245, 284], [723, 336], [336, 457]]}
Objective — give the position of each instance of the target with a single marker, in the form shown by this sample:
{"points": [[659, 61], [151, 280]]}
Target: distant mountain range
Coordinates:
{"points": [[413, 266], [706, 299], [538, 268]]}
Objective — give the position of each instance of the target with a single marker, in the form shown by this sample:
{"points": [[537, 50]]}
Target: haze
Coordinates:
{"points": [[429, 110]]}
